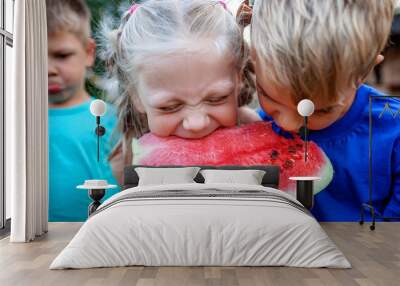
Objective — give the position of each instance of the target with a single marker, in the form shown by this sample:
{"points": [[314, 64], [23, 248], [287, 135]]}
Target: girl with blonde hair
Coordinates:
{"points": [[176, 67]]}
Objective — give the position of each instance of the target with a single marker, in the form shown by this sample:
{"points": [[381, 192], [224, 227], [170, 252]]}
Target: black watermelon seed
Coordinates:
{"points": [[288, 164], [274, 154]]}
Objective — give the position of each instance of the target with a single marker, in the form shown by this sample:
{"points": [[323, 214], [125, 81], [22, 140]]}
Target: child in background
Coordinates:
{"points": [[72, 141], [323, 51], [178, 65]]}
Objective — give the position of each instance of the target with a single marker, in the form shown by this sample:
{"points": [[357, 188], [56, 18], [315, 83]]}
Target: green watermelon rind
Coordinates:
{"points": [[326, 175]]}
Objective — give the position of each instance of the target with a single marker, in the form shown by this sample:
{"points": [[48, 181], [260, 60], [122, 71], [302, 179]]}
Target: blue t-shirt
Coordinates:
{"points": [[346, 143], [73, 159]]}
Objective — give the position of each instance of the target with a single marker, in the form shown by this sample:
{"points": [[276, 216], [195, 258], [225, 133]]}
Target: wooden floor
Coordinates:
{"points": [[374, 255]]}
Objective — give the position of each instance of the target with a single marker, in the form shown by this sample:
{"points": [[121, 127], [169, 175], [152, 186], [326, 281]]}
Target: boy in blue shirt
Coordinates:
{"points": [[72, 140], [322, 51]]}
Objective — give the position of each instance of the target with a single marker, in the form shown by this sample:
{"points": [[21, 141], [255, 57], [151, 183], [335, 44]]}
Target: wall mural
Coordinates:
{"points": [[185, 88]]}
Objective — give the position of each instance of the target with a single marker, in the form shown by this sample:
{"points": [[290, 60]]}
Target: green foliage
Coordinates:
{"points": [[100, 8]]}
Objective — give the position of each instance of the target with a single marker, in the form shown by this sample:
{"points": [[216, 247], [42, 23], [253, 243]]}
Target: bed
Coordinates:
{"points": [[201, 224]]}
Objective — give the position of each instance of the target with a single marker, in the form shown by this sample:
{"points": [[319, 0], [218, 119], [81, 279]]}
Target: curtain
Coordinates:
{"points": [[26, 124]]}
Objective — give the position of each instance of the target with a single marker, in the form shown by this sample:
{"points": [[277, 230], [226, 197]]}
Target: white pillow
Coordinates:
{"points": [[163, 176], [248, 177]]}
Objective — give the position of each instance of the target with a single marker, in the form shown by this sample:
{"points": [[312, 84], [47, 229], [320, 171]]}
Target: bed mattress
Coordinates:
{"points": [[201, 225]]}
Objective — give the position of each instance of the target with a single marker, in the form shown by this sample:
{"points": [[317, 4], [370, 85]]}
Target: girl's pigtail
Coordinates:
{"points": [[131, 123], [244, 14], [248, 87]]}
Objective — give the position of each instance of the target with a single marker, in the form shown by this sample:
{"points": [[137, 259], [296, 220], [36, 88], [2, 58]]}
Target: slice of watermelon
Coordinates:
{"points": [[251, 144]]}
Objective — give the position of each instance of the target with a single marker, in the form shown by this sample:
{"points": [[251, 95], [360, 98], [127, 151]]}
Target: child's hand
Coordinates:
{"points": [[248, 115], [244, 13]]}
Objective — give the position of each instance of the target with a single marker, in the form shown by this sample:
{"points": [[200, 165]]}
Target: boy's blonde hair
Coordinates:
{"points": [[68, 15], [317, 48]]}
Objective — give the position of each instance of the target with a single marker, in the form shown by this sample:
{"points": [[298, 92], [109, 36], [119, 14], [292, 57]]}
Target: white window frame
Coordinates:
{"points": [[6, 39]]}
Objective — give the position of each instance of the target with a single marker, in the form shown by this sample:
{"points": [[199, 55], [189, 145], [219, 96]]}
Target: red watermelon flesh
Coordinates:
{"points": [[251, 144]]}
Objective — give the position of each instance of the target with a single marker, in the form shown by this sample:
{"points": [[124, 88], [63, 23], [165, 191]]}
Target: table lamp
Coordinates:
{"points": [[304, 184], [97, 188], [98, 108], [305, 108]]}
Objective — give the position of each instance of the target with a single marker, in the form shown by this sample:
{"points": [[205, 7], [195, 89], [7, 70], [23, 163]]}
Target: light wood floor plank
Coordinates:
{"points": [[374, 255]]}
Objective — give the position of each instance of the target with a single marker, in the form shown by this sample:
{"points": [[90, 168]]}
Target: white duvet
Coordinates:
{"points": [[185, 230]]}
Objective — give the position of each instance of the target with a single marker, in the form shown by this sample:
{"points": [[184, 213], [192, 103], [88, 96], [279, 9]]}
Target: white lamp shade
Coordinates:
{"points": [[305, 107], [98, 107]]}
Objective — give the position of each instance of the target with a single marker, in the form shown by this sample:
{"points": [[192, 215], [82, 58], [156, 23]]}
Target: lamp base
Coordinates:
{"points": [[305, 193], [305, 190], [96, 195]]}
